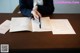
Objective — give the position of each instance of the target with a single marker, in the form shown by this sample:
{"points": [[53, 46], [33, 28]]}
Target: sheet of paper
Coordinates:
{"points": [[61, 26], [20, 24], [45, 25], [19, 12], [4, 27]]}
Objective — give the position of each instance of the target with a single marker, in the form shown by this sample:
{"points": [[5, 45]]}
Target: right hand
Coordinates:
{"points": [[35, 13]]}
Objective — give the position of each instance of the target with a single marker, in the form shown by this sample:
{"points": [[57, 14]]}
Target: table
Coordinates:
{"points": [[42, 40]]}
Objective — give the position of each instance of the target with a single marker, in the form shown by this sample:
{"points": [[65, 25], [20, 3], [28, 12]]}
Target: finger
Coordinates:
{"points": [[35, 14], [39, 14]]}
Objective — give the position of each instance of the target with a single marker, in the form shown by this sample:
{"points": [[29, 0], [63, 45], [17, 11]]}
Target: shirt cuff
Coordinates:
{"points": [[35, 7]]}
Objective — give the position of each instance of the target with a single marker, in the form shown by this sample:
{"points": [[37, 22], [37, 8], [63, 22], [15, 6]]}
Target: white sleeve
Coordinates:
{"points": [[34, 2], [40, 2]]}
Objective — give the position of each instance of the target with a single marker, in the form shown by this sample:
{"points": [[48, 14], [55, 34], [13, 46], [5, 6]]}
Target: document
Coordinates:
{"points": [[4, 27], [20, 24], [45, 25], [61, 26], [28, 24]]}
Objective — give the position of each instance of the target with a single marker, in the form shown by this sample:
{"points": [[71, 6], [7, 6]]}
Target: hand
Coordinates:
{"points": [[35, 13]]}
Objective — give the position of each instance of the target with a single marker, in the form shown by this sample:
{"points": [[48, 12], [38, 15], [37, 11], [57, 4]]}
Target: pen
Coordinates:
{"points": [[39, 22]]}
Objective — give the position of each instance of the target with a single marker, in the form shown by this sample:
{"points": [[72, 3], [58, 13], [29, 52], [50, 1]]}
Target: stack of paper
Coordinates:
{"points": [[4, 27], [61, 26]]}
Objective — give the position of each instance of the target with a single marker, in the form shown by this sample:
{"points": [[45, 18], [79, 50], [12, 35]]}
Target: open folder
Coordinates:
{"points": [[28, 24]]}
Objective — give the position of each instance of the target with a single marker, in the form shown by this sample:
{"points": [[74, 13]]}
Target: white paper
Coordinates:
{"points": [[20, 24], [4, 27], [61, 26], [45, 25], [19, 12]]}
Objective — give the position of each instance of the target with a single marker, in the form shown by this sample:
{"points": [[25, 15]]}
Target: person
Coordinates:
{"points": [[37, 8]]}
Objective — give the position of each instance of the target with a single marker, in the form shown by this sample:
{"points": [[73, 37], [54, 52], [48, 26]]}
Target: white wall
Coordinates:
{"points": [[4, 6], [13, 4], [8, 6]]}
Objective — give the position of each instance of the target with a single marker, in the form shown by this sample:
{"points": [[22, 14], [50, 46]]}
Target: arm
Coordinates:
{"points": [[47, 8], [24, 10]]}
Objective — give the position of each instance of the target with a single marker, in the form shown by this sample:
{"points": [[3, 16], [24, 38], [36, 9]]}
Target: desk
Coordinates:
{"points": [[42, 40]]}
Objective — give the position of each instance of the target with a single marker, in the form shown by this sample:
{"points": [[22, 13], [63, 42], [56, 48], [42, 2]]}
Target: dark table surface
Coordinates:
{"points": [[42, 40]]}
